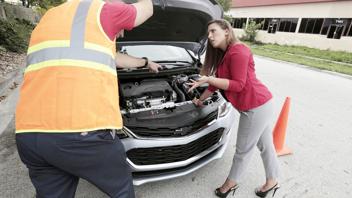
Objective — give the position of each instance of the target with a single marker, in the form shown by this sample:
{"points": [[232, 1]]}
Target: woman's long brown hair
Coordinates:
{"points": [[213, 55]]}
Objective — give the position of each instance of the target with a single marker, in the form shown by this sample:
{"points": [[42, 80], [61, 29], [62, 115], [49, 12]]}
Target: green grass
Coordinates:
{"points": [[321, 59]]}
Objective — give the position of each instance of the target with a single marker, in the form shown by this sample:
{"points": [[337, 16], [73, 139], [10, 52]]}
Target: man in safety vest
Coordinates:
{"points": [[68, 111]]}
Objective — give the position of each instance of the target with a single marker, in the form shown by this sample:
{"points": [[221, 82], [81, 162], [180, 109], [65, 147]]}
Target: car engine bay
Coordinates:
{"points": [[160, 93]]}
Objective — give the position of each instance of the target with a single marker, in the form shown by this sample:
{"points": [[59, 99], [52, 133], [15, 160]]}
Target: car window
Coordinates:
{"points": [[158, 52]]}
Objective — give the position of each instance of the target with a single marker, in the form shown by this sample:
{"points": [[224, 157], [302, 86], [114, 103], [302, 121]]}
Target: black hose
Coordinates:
{"points": [[182, 97]]}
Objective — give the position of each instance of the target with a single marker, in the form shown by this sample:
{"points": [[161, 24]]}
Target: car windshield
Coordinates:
{"points": [[158, 53]]}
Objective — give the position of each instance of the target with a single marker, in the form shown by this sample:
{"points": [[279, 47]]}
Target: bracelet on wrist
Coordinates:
{"points": [[146, 61]]}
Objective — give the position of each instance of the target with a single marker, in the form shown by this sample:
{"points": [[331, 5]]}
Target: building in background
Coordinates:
{"points": [[323, 24]]}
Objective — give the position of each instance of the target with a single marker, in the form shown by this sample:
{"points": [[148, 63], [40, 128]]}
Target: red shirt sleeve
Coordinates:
{"points": [[238, 67], [117, 16]]}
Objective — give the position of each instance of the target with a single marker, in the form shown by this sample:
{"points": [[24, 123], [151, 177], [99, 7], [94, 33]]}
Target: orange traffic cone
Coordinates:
{"points": [[280, 130]]}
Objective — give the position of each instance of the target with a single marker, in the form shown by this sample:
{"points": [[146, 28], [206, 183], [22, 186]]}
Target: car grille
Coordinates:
{"points": [[158, 173], [161, 155], [180, 132]]}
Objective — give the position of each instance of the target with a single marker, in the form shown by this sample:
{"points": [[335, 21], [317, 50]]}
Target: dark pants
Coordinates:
{"points": [[57, 161]]}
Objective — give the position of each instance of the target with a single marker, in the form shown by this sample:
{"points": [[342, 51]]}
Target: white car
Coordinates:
{"points": [[165, 135]]}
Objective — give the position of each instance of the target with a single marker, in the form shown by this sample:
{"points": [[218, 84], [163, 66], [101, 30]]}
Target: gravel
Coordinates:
{"points": [[9, 62]]}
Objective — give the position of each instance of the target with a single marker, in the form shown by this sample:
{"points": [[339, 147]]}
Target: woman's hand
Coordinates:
{"points": [[198, 102], [194, 84]]}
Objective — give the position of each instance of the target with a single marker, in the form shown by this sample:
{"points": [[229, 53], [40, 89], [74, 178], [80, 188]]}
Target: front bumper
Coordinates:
{"points": [[161, 171]]}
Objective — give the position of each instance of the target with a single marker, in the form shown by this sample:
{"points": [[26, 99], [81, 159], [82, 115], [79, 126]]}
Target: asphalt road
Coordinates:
{"points": [[319, 134]]}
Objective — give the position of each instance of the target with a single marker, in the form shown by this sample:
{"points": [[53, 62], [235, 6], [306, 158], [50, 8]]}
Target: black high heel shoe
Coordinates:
{"points": [[224, 195], [262, 194]]}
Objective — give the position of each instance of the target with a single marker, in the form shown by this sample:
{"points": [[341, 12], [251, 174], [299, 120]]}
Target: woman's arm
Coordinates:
{"points": [[220, 83], [238, 68], [199, 101]]}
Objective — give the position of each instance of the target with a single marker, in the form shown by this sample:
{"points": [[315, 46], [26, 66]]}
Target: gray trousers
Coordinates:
{"points": [[255, 130]]}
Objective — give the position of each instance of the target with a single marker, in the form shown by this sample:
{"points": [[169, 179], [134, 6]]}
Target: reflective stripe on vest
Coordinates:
{"points": [[66, 43], [51, 56], [70, 83], [47, 54]]}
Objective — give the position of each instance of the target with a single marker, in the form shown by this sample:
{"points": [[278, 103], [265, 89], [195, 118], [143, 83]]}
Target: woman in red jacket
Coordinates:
{"points": [[229, 67]]}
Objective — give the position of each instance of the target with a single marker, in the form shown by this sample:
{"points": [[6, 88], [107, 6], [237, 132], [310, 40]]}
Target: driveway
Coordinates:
{"points": [[319, 133]]}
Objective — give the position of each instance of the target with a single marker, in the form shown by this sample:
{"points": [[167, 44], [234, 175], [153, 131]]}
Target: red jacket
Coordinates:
{"points": [[245, 91]]}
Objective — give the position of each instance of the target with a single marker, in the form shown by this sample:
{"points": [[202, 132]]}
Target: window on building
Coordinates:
{"points": [[336, 28], [239, 22], [349, 33], [348, 26], [311, 25], [266, 23], [257, 21], [273, 25], [282, 25], [317, 26], [263, 21], [294, 25], [326, 25], [288, 24], [302, 27]]}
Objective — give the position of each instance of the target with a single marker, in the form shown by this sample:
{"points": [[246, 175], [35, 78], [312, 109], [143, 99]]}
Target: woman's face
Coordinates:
{"points": [[217, 36]]}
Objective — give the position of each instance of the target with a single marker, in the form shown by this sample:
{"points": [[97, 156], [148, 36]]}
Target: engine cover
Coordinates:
{"points": [[151, 89], [147, 93]]}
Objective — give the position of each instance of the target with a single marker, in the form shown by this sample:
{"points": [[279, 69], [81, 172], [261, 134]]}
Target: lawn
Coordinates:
{"points": [[337, 61]]}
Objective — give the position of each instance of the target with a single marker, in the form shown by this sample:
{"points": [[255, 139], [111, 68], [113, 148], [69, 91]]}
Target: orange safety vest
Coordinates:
{"points": [[70, 83]]}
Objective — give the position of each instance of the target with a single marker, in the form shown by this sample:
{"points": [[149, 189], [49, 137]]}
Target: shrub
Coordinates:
{"points": [[14, 34], [251, 30]]}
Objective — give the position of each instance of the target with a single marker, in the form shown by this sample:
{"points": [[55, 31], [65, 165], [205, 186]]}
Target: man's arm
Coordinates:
{"points": [[126, 61], [144, 11]]}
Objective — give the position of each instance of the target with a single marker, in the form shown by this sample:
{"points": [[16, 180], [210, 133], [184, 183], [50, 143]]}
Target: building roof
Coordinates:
{"points": [[254, 3]]}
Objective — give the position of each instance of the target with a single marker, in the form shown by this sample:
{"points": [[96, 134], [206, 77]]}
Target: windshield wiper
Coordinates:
{"points": [[175, 61]]}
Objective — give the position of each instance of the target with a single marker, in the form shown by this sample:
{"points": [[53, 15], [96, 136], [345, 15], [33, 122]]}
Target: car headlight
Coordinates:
{"points": [[223, 109]]}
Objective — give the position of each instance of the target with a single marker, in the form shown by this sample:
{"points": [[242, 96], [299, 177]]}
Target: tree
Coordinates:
{"points": [[24, 2], [251, 30], [226, 4], [47, 4], [42, 5]]}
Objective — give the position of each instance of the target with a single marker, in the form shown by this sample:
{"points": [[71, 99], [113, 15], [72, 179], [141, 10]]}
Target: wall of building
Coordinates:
{"points": [[341, 9], [309, 40]]}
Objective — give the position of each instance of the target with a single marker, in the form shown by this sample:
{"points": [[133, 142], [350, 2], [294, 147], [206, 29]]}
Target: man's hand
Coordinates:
{"points": [[154, 67]]}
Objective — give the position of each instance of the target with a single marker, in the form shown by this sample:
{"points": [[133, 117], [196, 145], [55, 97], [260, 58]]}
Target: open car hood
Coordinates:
{"points": [[176, 22]]}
